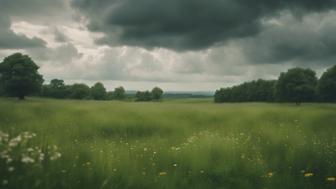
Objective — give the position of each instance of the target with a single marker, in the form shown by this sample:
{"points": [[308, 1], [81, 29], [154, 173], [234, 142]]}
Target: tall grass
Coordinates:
{"points": [[175, 144]]}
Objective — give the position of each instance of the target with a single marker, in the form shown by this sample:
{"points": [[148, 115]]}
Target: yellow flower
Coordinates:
{"points": [[331, 179], [270, 174], [308, 174], [162, 173]]}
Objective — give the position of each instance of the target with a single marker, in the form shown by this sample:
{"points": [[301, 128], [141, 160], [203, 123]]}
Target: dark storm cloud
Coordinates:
{"points": [[310, 40], [11, 40], [37, 9], [59, 36], [23, 9], [185, 24]]}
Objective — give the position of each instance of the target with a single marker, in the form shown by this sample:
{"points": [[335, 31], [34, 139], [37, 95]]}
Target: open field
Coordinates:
{"points": [[173, 144]]}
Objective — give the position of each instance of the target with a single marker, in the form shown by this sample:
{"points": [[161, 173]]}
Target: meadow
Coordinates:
{"points": [[189, 143]]}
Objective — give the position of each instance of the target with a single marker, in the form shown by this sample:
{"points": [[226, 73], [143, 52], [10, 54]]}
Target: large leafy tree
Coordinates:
{"points": [[296, 85], [157, 93], [56, 89], [79, 91], [119, 93], [98, 91], [327, 85], [254, 91], [19, 76], [143, 96]]}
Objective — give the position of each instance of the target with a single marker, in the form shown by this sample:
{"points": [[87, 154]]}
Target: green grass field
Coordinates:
{"points": [[172, 144]]}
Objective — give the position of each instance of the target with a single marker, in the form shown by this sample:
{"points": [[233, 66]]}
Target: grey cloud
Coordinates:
{"points": [[310, 40], [11, 40], [23, 10], [185, 24], [61, 55], [36, 9], [60, 37]]}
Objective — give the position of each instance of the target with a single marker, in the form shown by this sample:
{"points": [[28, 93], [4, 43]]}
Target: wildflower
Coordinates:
{"points": [[162, 173], [27, 159], [15, 141], [175, 165], [270, 174], [11, 169], [202, 171], [55, 156], [41, 156], [331, 179], [308, 174], [9, 160], [4, 182], [3, 137]]}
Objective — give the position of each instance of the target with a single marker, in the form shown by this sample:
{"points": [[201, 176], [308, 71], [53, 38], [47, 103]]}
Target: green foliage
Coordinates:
{"points": [[98, 91], [56, 89], [119, 93], [176, 144], [79, 91], [327, 85], [296, 85], [19, 76], [110, 95], [143, 96], [255, 91], [157, 93]]}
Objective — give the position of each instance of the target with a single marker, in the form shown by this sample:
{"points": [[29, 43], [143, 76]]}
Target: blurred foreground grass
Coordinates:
{"points": [[173, 144]]}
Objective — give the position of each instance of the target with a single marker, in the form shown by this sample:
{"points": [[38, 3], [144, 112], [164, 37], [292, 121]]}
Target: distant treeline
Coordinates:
{"points": [[296, 85], [58, 89], [259, 91], [19, 77]]}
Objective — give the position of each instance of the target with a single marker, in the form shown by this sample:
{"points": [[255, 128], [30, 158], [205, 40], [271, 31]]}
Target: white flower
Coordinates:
{"points": [[15, 141], [4, 182], [41, 157], [9, 160], [55, 156], [11, 169], [27, 160], [3, 136]]}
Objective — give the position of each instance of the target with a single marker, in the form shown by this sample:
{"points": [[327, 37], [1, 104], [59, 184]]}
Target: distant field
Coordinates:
{"points": [[191, 143]]}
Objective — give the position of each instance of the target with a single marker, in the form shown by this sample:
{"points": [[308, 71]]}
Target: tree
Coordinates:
{"points": [[143, 96], [98, 91], [79, 91], [157, 93], [19, 76], [296, 85], [56, 89], [254, 91], [119, 93], [327, 85], [110, 95]]}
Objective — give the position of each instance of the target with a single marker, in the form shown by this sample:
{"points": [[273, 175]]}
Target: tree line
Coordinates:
{"points": [[297, 85], [19, 77], [57, 89]]}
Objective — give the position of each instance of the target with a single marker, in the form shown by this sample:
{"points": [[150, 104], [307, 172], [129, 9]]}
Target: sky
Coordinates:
{"points": [[178, 45]]}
